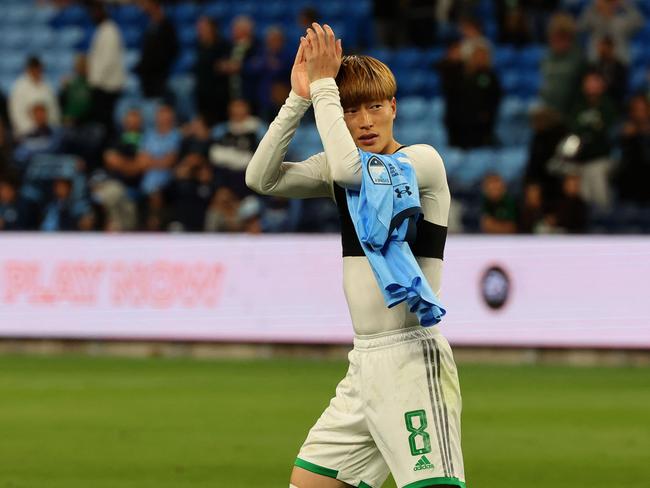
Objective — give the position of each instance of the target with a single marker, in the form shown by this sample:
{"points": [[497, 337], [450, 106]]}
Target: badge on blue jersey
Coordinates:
{"points": [[378, 171]]}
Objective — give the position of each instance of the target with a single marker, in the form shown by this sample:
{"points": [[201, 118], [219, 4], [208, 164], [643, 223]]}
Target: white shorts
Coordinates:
{"points": [[397, 410]]}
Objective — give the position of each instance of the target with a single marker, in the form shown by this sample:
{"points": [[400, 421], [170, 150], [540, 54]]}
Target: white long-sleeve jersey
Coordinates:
{"points": [[327, 174]]}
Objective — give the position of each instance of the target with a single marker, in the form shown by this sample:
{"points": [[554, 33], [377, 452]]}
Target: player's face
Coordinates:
{"points": [[371, 125]]}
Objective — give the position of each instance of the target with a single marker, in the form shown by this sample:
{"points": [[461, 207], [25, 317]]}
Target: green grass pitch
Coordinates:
{"points": [[73, 422]]}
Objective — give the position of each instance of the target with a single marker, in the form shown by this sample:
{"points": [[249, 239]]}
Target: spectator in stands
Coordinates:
{"points": [[191, 193], [159, 51], [471, 35], [616, 19], [10, 208], [563, 66], [106, 70], [531, 213], [613, 71], [421, 22], [234, 145], [64, 213], [244, 47], [159, 151], [197, 139], [114, 203], [479, 96], [28, 90], [499, 210], [120, 159], [571, 213], [538, 13], [634, 173], [548, 131], [306, 17], [281, 214], [250, 215], [5, 149], [514, 26], [212, 72], [271, 66], [223, 213], [76, 97], [389, 22], [450, 71], [592, 119], [42, 138]]}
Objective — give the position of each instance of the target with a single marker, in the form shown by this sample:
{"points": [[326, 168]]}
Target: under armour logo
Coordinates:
{"points": [[407, 190]]}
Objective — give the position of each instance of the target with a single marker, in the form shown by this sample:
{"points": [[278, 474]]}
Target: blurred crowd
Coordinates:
{"points": [[147, 168]]}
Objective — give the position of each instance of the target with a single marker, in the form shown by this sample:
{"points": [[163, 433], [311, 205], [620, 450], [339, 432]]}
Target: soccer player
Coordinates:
{"points": [[398, 408]]}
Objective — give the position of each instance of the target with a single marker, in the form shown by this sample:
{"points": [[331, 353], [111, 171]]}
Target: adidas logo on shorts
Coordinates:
{"points": [[423, 463]]}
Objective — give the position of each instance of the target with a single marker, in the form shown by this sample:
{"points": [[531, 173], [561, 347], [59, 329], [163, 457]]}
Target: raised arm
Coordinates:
{"points": [[323, 54], [267, 173], [340, 149]]}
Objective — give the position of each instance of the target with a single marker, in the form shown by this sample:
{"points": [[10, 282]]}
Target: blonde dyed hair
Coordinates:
{"points": [[363, 79]]}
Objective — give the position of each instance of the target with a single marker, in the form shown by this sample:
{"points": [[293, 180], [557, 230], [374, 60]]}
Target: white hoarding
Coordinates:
{"points": [[513, 291]]}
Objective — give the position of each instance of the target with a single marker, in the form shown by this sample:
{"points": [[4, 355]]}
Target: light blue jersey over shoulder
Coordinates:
{"points": [[384, 212]]}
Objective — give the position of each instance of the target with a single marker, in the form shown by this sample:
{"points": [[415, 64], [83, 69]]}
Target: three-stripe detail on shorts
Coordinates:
{"points": [[431, 354]]}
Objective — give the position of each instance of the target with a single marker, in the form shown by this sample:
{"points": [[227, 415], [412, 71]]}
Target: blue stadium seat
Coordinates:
{"points": [[123, 105], [431, 55], [512, 108], [510, 163], [185, 62], [70, 16], [182, 87], [132, 86], [275, 11], [6, 82], [217, 10], [504, 57], [382, 54], [41, 39], [452, 158], [58, 60], [12, 63], [510, 81], [131, 58], [530, 57], [132, 36], [183, 13], [244, 8], [70, 37], [16, 38], [413, 108], [412, 132], [129, 16], [42, 15], [187, 36], [437, 109], [18, 14], [438, 136], [408, 58], [639, 78], [475, 166]]}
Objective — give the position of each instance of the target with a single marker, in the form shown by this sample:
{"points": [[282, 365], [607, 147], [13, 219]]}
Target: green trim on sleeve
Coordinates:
{"points": [[315, 468], [364, 485], [436, 481]]}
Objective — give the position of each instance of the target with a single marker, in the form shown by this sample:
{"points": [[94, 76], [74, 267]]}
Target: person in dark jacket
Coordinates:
{"points": [[634, 173], [211, 72], [159, 50], [479, 97], [613, 71]]}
